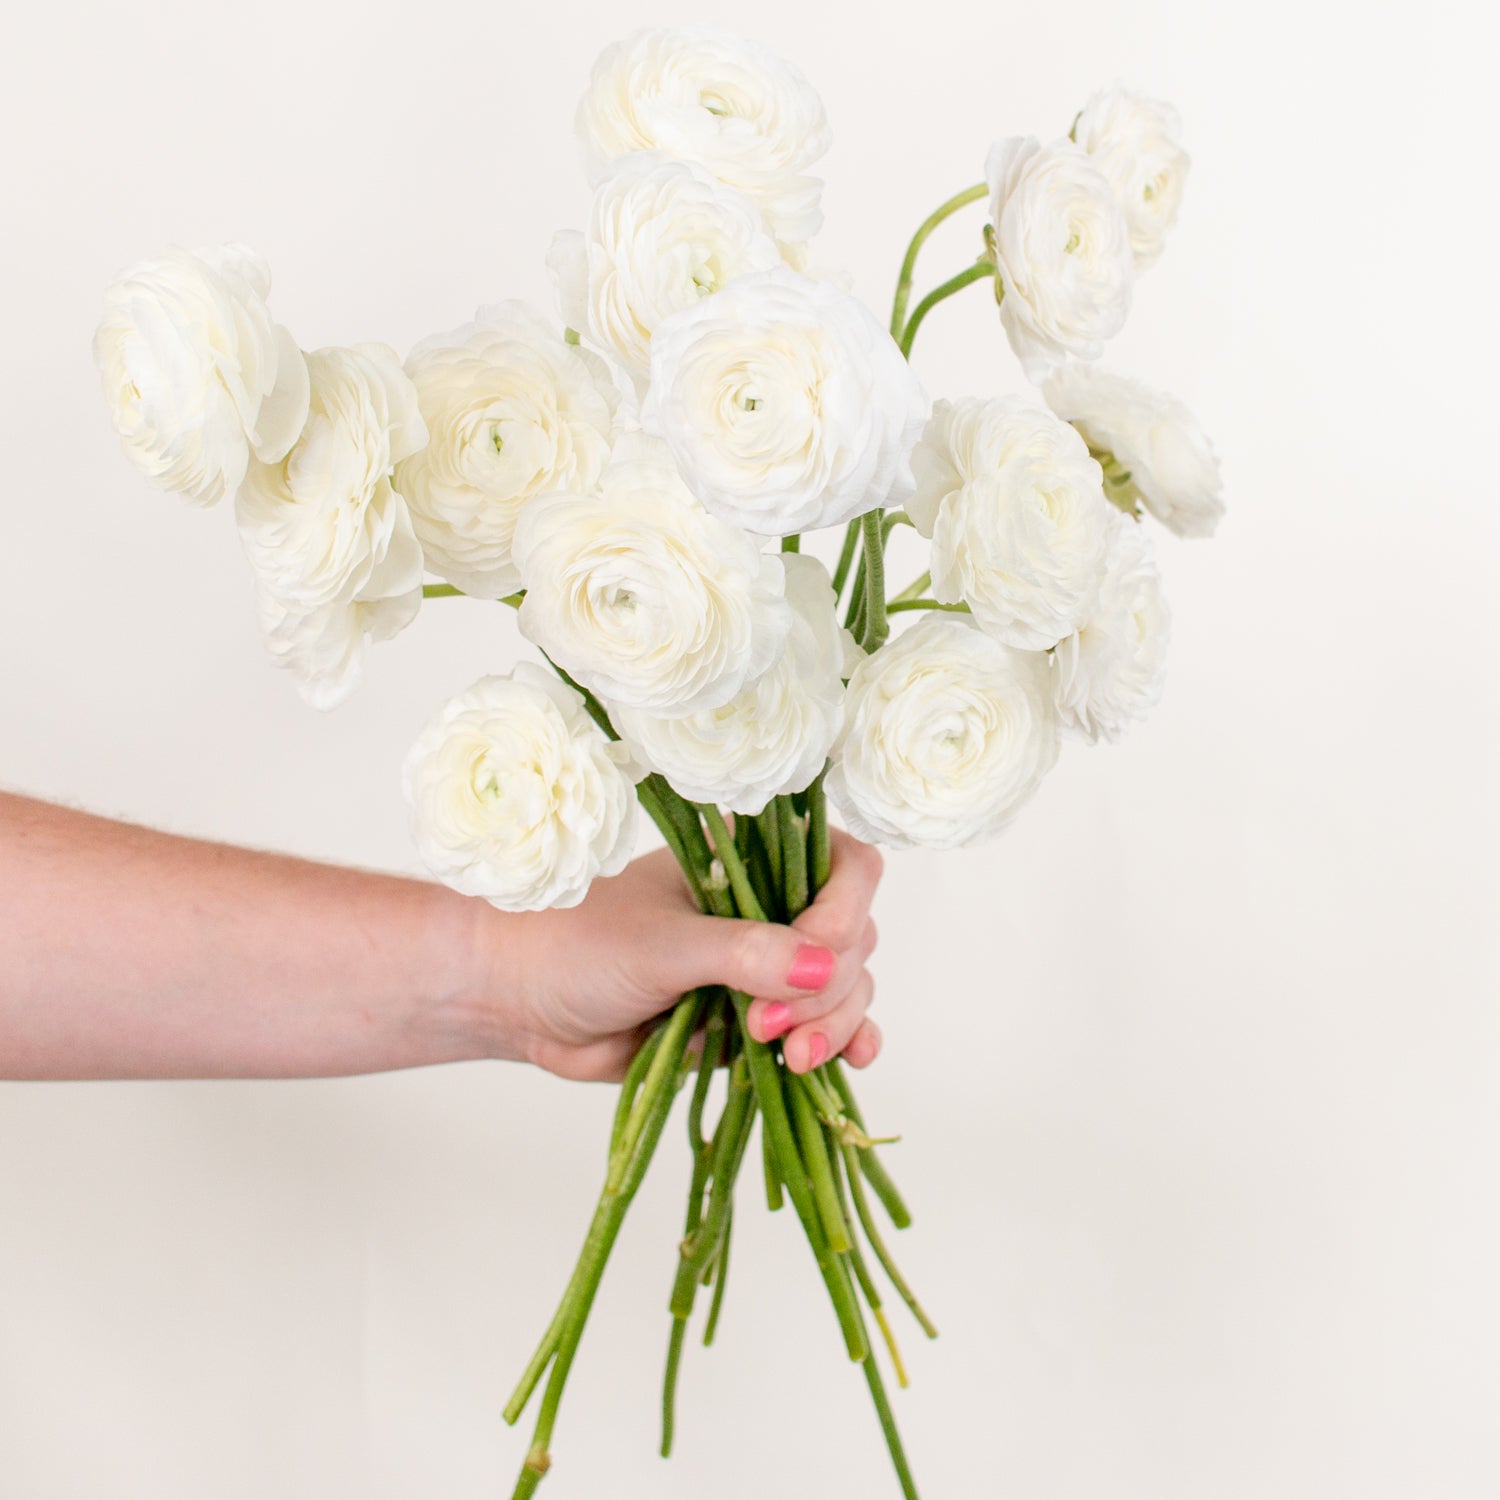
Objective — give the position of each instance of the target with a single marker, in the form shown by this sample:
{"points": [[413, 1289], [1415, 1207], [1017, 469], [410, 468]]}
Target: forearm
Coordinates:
{"points": [[126, 953]]}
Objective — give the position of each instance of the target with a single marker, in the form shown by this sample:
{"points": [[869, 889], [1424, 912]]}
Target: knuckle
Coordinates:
{"points": [[750, 954]]}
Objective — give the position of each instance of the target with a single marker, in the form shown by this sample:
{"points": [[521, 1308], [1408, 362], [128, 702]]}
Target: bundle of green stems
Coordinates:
{"points": [[814, 1147]]}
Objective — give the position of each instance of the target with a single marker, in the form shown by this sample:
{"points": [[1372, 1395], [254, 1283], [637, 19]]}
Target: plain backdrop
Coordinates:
{"points": [[1196, 1068]]}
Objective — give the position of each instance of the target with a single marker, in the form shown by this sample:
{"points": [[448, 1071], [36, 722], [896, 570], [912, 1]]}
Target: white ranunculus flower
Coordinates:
{"points": [[946, 733], [1062, 251], [642, 596], [1019, 524], [1136, 141], [329, 539], [512, 411], [518, 796], [773, 736], [1151, 445], [325, 645], [662, 235], [786, 404], [196, 374], [746, 115], [1111, 671]]}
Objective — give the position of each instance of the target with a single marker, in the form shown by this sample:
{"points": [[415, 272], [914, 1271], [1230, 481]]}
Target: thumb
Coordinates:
{"points": [[763, 959]]}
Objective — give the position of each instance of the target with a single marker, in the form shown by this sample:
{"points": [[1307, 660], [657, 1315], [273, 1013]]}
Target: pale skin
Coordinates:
{"points": [[128, 953]]}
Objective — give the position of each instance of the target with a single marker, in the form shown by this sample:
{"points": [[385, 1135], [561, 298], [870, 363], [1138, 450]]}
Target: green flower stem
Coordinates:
{"points": [[893, 519], [814, 1148], [857, 593], [762, 872], [590, 702], [982, 268], [730, 1140], [791, 544], [867, 1287], [846, 558], [441, 591], [900, 606], [874, 1170], [773, 1172], [647, 797], [669, 1384], [888, 1427], [657, 1093], [631, 1086], [721, 1278], [819, 847], [714, 1039], [765, 1073], [874, 629], [793, 858], [739, 879], [920, 238], [877, 1244]]}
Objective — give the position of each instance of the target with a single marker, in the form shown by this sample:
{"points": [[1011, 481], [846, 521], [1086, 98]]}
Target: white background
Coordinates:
{"points": [[1196, 1068]]}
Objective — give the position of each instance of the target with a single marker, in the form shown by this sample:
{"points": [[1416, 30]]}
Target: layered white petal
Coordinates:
{"points": [[1062, 251], [331, 543], [1154, 451], [772, 737], [512, 411], [662, 234], [642, 596], [197, 376], [1136, 141], [1111, 672], [747, 116], [946, 734], [786, 404], [517, 796], [1019, 524]]}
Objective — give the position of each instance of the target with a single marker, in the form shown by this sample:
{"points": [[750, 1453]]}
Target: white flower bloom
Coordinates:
{"points": [[1062, 251], [1136, 141], [746, 115], [662, 234], [329, 539], [645, 598], [786, 404], [1152, 447], [196, 374], [325, 646], [1111, 671], [518, 796], [512, 411], [1019, 524], [772, 737], [946, 733]]}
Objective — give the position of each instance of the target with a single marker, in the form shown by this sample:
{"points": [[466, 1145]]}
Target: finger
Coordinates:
{"points": [[758, 958], [809, 1046], [864, 1045], [769, 1019], [837, 917]]}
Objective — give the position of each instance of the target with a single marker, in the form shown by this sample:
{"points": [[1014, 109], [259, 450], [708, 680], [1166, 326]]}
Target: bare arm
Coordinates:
{"points": [[127, 953]]}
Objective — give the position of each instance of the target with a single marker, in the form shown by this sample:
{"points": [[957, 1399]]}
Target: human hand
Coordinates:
{"points": [[583, 984]]}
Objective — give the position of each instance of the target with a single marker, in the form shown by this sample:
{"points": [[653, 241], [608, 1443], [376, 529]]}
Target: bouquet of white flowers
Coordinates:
{"points": [[635, 480]]}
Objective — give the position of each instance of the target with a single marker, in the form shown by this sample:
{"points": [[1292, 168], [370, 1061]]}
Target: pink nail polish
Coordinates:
{"points": [[775, 1019], [812, 968], [817, 1050]]}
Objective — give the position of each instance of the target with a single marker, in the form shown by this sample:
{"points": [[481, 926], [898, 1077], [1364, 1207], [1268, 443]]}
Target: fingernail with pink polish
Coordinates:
{"points": [[812, 968], [817, 1050], [774, 1019]]}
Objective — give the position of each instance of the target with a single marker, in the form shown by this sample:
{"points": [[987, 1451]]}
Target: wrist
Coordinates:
{"points": [[479, 1007]]}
